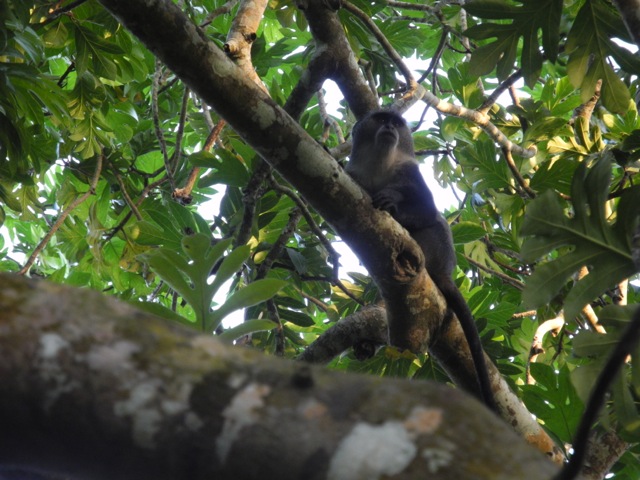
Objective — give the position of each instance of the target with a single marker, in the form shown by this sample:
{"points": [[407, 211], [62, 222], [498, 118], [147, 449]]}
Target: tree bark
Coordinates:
{"points": [[91, 388]]}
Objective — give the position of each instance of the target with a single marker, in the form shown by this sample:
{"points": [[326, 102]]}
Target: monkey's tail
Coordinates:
{"points": [[461, 309]]}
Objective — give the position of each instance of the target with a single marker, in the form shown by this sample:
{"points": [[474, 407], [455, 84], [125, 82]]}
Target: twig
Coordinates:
{"points": [[436, 56], [125, 194], [506, 278], [524, 185], [224, 9], [252, 192], [156, 123], [177, 152], [334, 256], [275, 318], [503, 87], [60, 11], [329, 121], [384, 43], [278, 245], [63, 215], [184, 194]]}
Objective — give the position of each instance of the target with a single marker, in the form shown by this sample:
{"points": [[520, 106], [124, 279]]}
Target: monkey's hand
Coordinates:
{"points": [[387, 200]]}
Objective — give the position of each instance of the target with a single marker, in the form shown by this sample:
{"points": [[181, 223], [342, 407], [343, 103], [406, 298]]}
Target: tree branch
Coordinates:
{"points": [[92, 388]]}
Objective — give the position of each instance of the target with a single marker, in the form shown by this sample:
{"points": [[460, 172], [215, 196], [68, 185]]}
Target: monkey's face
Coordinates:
{"points": [[387, 136], [377, 140], [388, 127]]}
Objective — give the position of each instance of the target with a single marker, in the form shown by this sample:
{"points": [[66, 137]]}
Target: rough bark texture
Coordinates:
{"points": [[93, 389]]}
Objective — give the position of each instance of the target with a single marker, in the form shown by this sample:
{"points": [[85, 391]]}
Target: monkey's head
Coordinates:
{"points": [[382, 133], [381, 143]]}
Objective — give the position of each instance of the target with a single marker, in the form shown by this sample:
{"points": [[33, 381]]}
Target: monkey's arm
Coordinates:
{"points": [[407, 198]]}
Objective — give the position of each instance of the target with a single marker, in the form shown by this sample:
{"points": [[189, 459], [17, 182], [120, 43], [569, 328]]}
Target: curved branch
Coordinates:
{"points": [[368, 323], [332, 58], [242, 34], [480, 119], [553, 325]]}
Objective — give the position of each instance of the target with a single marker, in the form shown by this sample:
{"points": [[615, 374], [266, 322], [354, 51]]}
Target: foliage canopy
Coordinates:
{"points": [[107, 162]]}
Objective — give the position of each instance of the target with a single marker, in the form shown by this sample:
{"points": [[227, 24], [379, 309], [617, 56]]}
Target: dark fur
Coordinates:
{"points": [[383, 163]]}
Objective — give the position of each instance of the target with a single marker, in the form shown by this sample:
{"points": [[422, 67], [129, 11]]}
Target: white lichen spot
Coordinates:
{"points": [[172, 407], [241, 412], [51, 370], [370, 451], [142, 409], [51, 344], [193, 422], [109, 357], [439, 457], [423, 420], [264, 114], [146, 423], [313, 409], [236, 380], [208, 344]]}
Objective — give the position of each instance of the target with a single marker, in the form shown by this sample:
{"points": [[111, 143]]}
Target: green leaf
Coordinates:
{"points": [[589, 45], [230, 265], [203, 159], [494, 9], [163, 312], [527, 20], [189, 278], [554, 400], [229, 170], [485, 58], [484, 169], [254, 293], [297, 318], [603, 248], [465, 232], [245, 328], [92, 47]]}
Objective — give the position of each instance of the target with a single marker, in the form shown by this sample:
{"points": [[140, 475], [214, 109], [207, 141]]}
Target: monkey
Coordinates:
{"points": [[383, 163]]}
